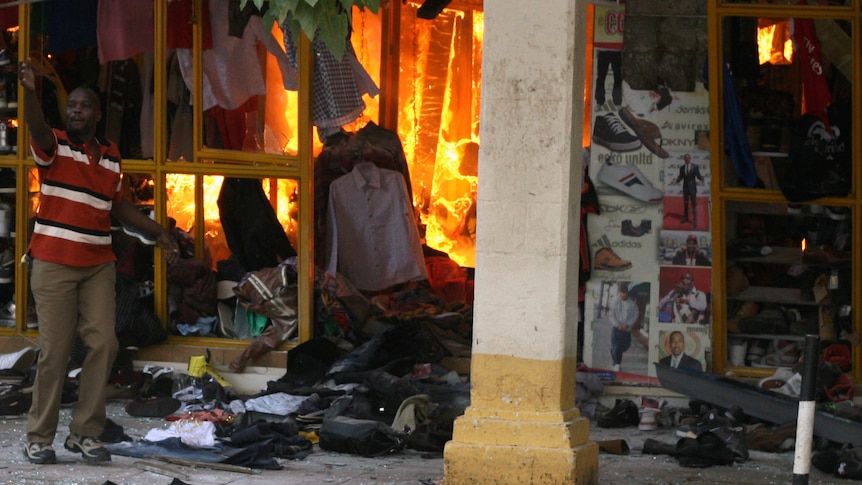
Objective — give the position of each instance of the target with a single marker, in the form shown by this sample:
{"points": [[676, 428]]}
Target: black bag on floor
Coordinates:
{"points": [[360, 437]]}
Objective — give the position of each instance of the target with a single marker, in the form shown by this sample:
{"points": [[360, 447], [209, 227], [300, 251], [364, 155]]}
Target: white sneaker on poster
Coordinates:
{"points": [[630, 181]]}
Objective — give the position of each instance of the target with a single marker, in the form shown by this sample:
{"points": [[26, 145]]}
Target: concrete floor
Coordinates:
{"points": [[406, 467]]}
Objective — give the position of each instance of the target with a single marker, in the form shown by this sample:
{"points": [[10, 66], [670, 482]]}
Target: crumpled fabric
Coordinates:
{"points": [[200, 434], [279, 403]]}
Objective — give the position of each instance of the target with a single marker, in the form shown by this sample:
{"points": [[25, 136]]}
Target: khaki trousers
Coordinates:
{"points": [[72, 301]]}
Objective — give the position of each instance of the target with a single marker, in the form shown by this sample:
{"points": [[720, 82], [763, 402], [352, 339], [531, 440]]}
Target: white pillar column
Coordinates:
{"points": [[522, 425]]}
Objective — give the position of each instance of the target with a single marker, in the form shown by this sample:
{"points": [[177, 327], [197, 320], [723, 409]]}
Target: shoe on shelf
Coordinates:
{"points": [[89, 447], [837, 213], [630, 181], [40, 453], [606, 259], [610, 133], [623, 414]]}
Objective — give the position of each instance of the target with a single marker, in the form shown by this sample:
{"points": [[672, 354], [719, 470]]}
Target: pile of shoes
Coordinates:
{"points": [[716, 437]]}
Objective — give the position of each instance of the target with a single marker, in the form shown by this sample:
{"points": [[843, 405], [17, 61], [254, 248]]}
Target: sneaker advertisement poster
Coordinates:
{"points": [[650, 167]]}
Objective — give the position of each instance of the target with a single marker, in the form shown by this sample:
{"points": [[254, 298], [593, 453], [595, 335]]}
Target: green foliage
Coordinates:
{"points": [[328, 19]]}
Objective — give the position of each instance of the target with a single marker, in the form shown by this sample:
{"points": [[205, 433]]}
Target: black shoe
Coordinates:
{"points": [[646, 226], [624, 413], [40, 453], [90, 448], [629, 230], [610, 133]]}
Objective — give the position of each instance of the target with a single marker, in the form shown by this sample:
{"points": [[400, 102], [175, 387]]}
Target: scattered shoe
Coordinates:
{"points": [[90, 448], [648, 412], [623, 414], [781, 353], [630, 181], [19, 361], [775, 439], [606, 259], [610, 133], [40, 453]]}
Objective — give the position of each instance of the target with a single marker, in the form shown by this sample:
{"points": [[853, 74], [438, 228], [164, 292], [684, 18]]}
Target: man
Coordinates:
{"points": [[72, 267], [685, 301], [623, 315], [689, 175], [678, 359], [691, 254]]}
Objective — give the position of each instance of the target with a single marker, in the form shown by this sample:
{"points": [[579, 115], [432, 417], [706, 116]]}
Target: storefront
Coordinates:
{"points": [[219, 137]]}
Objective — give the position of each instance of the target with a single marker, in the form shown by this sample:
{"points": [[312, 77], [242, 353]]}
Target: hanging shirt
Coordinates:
{"points": [[124, 28], [372, 238], [232, 70]]}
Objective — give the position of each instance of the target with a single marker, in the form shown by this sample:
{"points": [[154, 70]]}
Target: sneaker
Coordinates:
{"points": [[630, 181], [624, 413], [608, 260], [90, 448], [610, 133], [40, 453], [648, 412]]}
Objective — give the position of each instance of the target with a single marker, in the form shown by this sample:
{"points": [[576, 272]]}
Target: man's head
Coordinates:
{"points": [[687, 158], [83, 113], [677, 343], [686, 281], [691, 244], [623, 289]]}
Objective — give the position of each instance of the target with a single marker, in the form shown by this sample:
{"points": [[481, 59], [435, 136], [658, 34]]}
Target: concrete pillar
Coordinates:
{"points": [[522, 426]]}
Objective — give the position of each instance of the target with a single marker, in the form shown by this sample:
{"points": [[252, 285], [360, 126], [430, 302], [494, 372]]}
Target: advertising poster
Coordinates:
{"points": [[639, 140]]}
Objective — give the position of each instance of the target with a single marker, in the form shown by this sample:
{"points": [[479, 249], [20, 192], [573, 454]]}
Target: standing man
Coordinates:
{"points": [[691, 254], [678, 359], [623, 315], [72, 267], [689, 174]]}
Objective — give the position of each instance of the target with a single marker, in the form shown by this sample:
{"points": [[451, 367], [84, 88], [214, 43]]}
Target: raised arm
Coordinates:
{"points": [[43, 137]]}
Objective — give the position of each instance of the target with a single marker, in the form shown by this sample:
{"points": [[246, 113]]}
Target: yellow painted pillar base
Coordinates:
{"points": [[475, 464], [514, 431]]}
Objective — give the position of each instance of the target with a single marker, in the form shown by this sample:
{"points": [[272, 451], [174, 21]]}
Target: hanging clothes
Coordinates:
{"points": [[337, 86], [371, 144], [250, 225], [124, 29], [232, 71], [372, 237]]}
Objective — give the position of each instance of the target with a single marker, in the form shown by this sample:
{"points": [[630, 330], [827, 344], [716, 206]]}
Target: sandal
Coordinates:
{"points": [[647, 131]]}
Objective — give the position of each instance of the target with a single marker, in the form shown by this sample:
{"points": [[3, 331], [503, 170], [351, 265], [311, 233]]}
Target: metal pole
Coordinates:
{"points": [[805, 417]]}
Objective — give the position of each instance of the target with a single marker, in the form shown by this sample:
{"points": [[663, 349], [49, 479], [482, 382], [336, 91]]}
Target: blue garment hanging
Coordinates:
{"points": [[735, 138]]}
